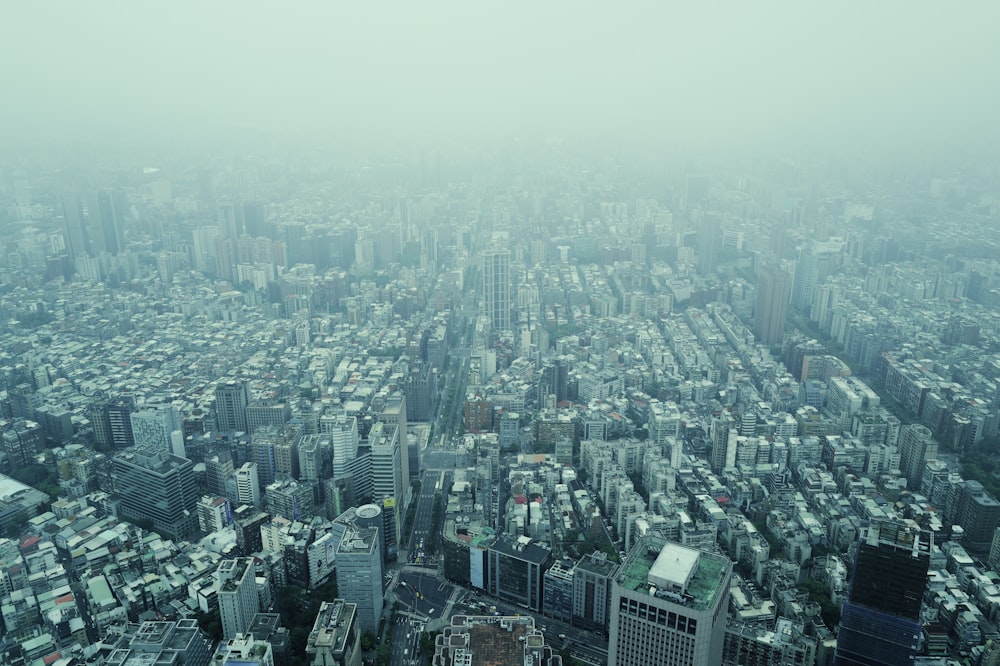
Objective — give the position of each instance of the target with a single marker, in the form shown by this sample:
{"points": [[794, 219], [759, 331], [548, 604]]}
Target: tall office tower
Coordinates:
{"points": [[231, 219], [880, 621], [311, 449], [106, 212], [978, 513], [771, 306], [359, 573], [21, 440], [248, 485], [248, 522], [709, 243], [155, 485], [263, 446], [497, 301], [218, 468], [335, 639], [290, 499], [664, 422], [238, 600], [343, 431], [77, 241], [387, 479], [394, 412], [668, 606], [723, 442], [231, 400], [152, 426], [916, 447], [113, 423], [592, 590]]}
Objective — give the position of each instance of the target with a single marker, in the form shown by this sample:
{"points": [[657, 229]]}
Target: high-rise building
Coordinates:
{"points": [[247, 522], [311, 448], [244, 650], [218, 469], [497, 301], [723, 442], [238, 600], [112, 422], [916, 447], [394, 412], [21, 441], [359, 573], [157, 486], [214, 513], [517, 567], [880, 621], [335, 639], [291, 499], [668, 606], [343, 431], [153, 425], [387, 479], [248, 485], [592, 590], [753, 644], [771, 305], [978, 513], [231, 400]]}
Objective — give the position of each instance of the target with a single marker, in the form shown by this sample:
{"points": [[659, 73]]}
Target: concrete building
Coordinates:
{"points": [[668, 606], [592, 590], [387, 480], [751, 644], [244, 650], [497, 302], [238, 601], [248, 485], [231, 400], [498, 641], [335, 639], [180, 642], [359, 573], [771, 305], [517, 567], [160, 487]]}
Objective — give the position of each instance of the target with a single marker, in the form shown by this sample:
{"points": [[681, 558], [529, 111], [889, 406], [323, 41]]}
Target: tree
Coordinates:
{"points": [[367, 641], [383, 656]]}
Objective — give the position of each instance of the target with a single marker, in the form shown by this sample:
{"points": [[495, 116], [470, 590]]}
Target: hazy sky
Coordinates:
{"points": [[663, 70]]}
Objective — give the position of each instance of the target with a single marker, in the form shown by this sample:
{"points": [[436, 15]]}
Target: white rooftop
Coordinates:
{"points": [[673, 567]]}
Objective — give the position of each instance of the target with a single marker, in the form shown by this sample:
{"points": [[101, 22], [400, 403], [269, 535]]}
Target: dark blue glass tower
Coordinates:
{"points": [[880, 623]]}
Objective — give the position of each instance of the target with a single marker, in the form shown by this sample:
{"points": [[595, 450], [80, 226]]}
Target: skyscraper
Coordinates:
{"points": [[668, 606], [155, 485], [916, 447], [343, 431], [880, 622], [237, 595], [248, 485], [359, 572], [771, 305], [723, 442], [496, 289], [387, 479], [153, 425], [231, 400]]}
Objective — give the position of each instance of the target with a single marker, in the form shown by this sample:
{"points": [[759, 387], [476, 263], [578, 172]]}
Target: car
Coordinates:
{"points": [[562, 636]]}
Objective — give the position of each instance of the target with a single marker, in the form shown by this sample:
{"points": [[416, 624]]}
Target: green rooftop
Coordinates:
{"points": [[703, 587]]}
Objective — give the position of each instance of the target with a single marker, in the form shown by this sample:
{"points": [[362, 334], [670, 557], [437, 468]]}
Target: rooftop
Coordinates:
{"points": [[704, 572]]}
